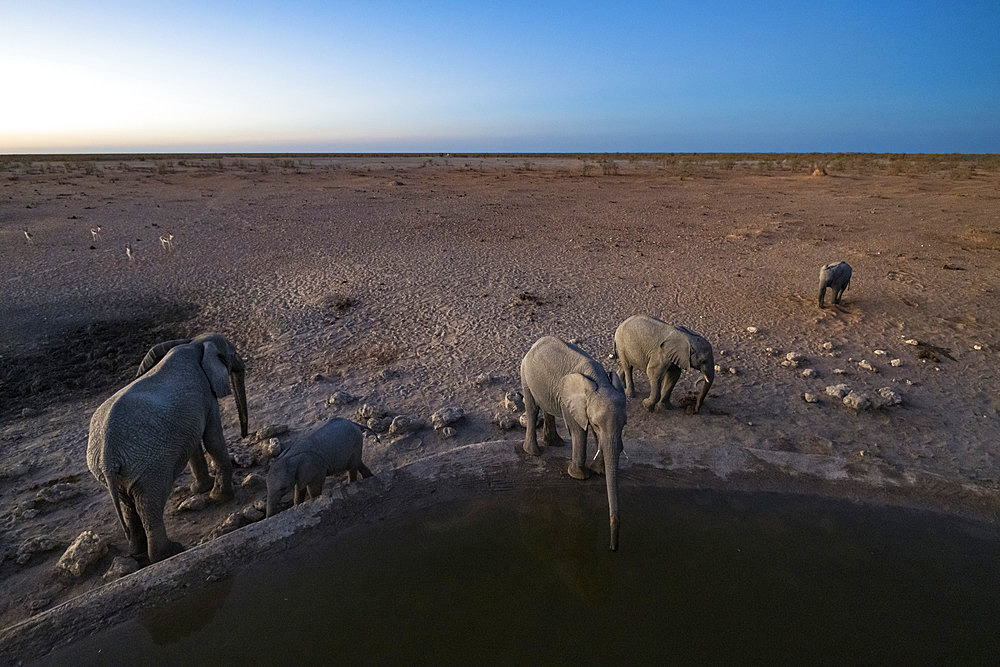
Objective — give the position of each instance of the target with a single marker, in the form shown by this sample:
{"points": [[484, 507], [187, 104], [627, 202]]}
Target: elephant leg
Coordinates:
{"points": [[625, 374], [315, 488], [215, 445], [531, 415], [669, 381], [578, 457], [149, 506], [655, 373], [300, 494], [137, 543], [363, 469], [199, 470], [597, 464], [549, 434]]}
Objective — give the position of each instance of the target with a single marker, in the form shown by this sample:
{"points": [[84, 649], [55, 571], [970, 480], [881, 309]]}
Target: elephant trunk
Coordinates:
{"points": [[822, 293], [611, 477], [708, 370], [237, 379]]}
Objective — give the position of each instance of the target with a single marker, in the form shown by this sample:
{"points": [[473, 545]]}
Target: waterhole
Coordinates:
{"points": [[524, 577]]}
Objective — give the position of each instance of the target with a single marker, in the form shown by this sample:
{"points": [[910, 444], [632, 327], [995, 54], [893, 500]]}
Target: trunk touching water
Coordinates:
{"points": [[237, 381], [611, 477]]}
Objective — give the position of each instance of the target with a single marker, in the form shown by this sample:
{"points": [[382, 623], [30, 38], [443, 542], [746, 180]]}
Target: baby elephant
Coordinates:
{"points": [[334, 447], [836, 276], [663, 351]]}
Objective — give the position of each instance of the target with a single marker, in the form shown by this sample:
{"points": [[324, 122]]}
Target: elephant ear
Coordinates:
{"points": [[574, 393], [215, 369], [701, 352], [157, 352], [676, 348]]}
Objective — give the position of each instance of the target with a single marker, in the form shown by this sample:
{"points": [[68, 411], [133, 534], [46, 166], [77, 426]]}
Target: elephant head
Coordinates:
{"points": [[600, 407], [221, 363], [686, 349]]}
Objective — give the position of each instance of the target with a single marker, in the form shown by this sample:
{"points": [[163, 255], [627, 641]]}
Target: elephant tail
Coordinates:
{"points": [[113, 489]]}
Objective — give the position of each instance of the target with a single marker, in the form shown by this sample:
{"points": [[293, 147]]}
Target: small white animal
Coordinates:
{"points": [[128, 253], [95, 233], [28, 235], [167, 242]]}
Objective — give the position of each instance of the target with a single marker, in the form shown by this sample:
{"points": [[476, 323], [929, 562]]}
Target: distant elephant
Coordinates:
{"points": [[664, 351], [332, 448], [836, 276], [141, 437], [560, 378]]}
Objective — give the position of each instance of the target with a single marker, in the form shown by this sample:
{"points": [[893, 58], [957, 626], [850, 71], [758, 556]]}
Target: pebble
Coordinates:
{"points": [[242, 457], [912, 341], [252, 481], [401, 424], [272, 448], [795, 356], [340, 398], [810, 373], [867, 366], [858, 400], [896, 362], [810, 398], [828, 346], [732, 371], [194, 503], [445, 416], [718, 368], [838, 390], [86, 549], [513, 401], [484, 379], [447, 432], [379, 424], [879, 352], [977, 346], [752, 330], [523, 420], [505, 420], [771, 352], [839, 371], [252, 514], [890, 396]]}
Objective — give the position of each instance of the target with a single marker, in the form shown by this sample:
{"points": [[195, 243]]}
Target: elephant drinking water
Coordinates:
{"points": [[141, 437], [561, 379], [663, 350]]}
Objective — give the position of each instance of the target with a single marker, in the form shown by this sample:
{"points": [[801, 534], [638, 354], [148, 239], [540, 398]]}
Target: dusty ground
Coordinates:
{"points": [[400, 280]]}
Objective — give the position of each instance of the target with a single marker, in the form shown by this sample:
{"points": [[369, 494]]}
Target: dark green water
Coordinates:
{"points": [[525, 578]]}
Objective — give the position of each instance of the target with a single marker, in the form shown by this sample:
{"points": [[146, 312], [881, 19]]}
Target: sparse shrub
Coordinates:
{"points": [[609, 167]]}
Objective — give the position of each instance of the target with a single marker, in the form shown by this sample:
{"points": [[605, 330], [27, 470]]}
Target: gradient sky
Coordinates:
{"points": [[740, 76]]}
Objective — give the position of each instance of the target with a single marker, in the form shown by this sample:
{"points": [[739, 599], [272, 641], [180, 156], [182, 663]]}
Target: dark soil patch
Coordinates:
{"points": [[89, 358]]}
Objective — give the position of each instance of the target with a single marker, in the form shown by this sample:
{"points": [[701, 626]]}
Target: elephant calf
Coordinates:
{"points": [[332, 448], [836, 276], [663, 350]]}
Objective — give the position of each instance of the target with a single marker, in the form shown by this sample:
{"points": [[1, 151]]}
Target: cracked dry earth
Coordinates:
{"points": [[400, 280]]}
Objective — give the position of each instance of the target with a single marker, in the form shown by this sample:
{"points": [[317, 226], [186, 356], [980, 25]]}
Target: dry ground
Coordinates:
{"points": [[401, 279]]}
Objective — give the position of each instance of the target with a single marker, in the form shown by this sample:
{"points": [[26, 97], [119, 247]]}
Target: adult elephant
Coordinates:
{"points": [[561, 379], [663, 350], [141, 437]]}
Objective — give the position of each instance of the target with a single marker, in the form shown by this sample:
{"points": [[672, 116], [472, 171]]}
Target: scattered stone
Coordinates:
{"points": [[87, 549], [732, 371], [523, 420], [505, 420], [771, 352], [879, 352], [379, 424], [810, 373], [272, 431], [718, 368], [839, 371], [242, 457], [193, 504], [121, 566], [810, 398], [367, 411], [27, 413], [910, 382], [252, 514], [483, 379], [977, 346], [447, 432], [260, 504], [858, 400], [34, 545], [253, 481], [513, 401], [867, 366], [838, 390], [889, 397], [752, 330], [273, 448], [828, 346], [795, 356], [401, 425], [896, 362], [445, 416], [57, 492], [229, 524], [340, 398], [912, 341]]}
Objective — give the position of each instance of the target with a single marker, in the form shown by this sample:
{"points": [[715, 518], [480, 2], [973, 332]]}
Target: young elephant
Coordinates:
{"points": [[332, 448], [663, 350], [559, 378], [836, 276]]}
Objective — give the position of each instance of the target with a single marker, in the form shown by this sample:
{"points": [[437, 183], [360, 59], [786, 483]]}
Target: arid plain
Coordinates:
{"points": [[415, 283]]}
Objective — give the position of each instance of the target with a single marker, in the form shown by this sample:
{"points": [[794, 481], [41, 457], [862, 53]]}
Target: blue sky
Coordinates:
{"points": [[499, 76]]}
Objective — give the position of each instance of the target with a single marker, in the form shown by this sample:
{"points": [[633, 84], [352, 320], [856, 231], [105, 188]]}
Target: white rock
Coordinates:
{"points": [[87, 549], [896, 362], [193, 504], [977, 346], [272, 448], [252, 481], [858, 400], [838, 390], [839, 371], [752, 330], [505, 420], [810, 398], [732, 371], [795, 356], [446, 432], [828, 346], [513, 401], [912, 341], [445, 416], [879, 352], [867, 366], [523, 420], [718, 368]]}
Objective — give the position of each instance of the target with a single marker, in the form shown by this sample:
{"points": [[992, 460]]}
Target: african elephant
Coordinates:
{"points": [[141, 437], [333, 447], [560, 378], [664, 351], [836, 276]]}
